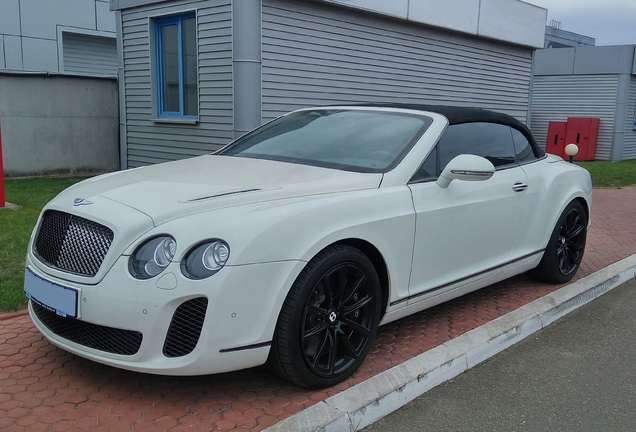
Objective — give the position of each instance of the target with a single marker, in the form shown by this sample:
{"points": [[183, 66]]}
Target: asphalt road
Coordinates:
{"points": [[578, 374]]}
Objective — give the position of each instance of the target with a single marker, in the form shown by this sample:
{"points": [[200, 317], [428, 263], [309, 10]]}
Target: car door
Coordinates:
{"points": [[466, 232]]}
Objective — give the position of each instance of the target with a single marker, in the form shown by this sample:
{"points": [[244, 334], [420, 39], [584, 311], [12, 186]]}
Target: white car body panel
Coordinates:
{"points": [[276, 217]]}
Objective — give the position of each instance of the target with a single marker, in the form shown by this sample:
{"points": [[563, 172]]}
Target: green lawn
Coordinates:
{"points": [[15, 230], [32, 194], [611, 174]]}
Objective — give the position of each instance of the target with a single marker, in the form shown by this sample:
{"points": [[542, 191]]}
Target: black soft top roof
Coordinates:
{"points": [[454, 114], [458, 115]]}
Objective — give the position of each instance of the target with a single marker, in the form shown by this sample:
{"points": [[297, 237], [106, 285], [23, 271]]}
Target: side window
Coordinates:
{"points": [[176, 66], [489, 140], [523, 149], [428, 170]]}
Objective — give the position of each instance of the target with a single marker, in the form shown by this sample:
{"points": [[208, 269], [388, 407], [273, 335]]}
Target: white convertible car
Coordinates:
{"points": [[292, 244]]}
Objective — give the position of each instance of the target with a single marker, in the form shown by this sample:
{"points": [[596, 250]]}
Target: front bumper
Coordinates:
{"points": [[236, 324]]}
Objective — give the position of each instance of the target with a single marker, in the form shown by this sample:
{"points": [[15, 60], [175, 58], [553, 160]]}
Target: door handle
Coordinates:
{"points": [[519, 187]]}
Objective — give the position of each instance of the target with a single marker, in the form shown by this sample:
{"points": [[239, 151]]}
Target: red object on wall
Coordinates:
{"points": [[583, 131], [2, 201], [555, 143]]}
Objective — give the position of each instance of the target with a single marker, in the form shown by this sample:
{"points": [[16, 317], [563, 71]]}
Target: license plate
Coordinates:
{"points": [[54, 297]]}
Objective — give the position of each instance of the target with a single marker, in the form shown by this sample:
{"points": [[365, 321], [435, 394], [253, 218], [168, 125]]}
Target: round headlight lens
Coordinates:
{"points": [[152, 257], [215, 256], [205, 259]]}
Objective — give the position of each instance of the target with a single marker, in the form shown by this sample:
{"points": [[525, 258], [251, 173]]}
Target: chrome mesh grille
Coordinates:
{"points": [[185, 327], [72, 243]]}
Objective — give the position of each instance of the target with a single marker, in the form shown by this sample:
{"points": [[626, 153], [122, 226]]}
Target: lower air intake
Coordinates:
{"points": [[185, 327], [108, 339]]}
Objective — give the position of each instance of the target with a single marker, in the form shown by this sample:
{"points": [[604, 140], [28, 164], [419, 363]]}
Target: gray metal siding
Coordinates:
{"points": [[555, 98], [629, 143], [89, 55], [315, 54], [152, 142]]}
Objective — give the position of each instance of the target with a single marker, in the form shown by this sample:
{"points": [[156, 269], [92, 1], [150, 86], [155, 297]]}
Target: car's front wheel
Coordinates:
{"points": [[563, 255], [329, 319]]}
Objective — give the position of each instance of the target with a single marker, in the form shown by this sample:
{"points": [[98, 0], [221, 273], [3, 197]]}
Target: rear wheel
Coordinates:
{"points": [[329, 319], [564, 252]]}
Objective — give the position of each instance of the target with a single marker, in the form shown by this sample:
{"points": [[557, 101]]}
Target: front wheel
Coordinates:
{"points": [[329, 319], [563, 255]]}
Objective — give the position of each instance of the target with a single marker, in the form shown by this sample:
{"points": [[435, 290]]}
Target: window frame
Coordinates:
{"points": [[435, 153], [157, 62]]}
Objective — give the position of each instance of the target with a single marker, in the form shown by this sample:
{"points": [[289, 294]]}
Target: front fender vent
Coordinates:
{"points": [[185, 327]]}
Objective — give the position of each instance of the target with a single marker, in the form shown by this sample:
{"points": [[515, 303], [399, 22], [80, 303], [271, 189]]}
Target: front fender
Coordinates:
{"points": [[297, 229]]}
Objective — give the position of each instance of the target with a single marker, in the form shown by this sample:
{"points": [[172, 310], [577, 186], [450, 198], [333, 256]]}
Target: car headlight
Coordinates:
{"points": [[205, 259], [152, 257]]}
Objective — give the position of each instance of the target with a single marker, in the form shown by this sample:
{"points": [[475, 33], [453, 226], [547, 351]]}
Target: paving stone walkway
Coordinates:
{"points": [[43, 388]]}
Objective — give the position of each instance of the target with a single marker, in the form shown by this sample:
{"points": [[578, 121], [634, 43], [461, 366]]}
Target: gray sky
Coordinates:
{"points": [[610, 22]]}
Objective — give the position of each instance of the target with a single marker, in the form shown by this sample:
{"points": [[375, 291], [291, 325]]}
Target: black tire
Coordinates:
{"points": [[328, 320], [564, 252]]}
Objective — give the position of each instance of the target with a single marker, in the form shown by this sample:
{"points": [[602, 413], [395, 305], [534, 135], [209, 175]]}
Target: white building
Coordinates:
{"points": [[198, 73], [59, 107], [67, 36]]}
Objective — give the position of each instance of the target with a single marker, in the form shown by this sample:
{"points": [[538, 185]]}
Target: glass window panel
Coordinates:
{"points": [[489, 140], [345, 139], [170, 68], [189, 37], [523, 149], [429, 167]]}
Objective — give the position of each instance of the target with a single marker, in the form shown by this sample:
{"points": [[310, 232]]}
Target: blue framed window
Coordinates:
{"points": [[177, 77]]}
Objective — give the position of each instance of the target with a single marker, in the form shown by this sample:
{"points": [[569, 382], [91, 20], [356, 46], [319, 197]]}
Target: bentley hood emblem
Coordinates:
{"points": [[81, 201]]}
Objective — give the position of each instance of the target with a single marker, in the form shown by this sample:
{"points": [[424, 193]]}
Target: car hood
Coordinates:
{"points": [[174, 189]]}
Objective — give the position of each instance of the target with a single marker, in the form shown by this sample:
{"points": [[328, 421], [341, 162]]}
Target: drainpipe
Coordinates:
{"points": [[246, 64], [123, 141]]}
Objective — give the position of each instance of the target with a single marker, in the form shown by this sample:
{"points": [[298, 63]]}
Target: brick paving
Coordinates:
{"points": [[43, 388]]}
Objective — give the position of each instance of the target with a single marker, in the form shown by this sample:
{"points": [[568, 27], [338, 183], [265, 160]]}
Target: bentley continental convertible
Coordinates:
{"points": [[292, 244]]}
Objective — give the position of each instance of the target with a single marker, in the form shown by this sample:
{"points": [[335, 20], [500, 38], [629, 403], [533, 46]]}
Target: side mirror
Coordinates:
{"points": [[466, 167]]}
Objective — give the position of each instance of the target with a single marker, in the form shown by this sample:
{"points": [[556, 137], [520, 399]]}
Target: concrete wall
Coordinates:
{"points": [[58, 124], [31, 30]]}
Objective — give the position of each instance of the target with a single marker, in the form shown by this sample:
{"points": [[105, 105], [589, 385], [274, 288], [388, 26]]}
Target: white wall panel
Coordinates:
{"points": [[39, 54], [461, 15], [514, 21], [105, 17], [9, 17], [39, 18], [13, 52], [398, 8]]}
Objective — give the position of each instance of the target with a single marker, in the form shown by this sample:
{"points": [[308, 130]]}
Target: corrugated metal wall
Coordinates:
{"points": [[89, 55], [316, 54], [555, 98], [153, 142], [629, 144]]}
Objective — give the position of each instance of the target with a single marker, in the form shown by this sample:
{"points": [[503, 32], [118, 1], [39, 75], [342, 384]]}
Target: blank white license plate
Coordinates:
{"points": [[56, 298]]}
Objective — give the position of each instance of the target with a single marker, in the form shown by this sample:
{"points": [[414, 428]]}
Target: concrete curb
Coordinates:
{"points": [[367, 402]]}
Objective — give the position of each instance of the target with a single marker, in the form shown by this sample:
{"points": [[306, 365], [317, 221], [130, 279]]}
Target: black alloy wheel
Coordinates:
{"points": [[564, 253], [571, 241], [329, 319]]}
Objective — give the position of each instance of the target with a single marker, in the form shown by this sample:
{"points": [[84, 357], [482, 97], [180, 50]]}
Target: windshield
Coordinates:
{"points": [[354, 140]]}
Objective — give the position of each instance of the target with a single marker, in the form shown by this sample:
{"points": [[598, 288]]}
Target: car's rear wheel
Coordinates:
{"points": [[329, 319], [564, 252]]}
